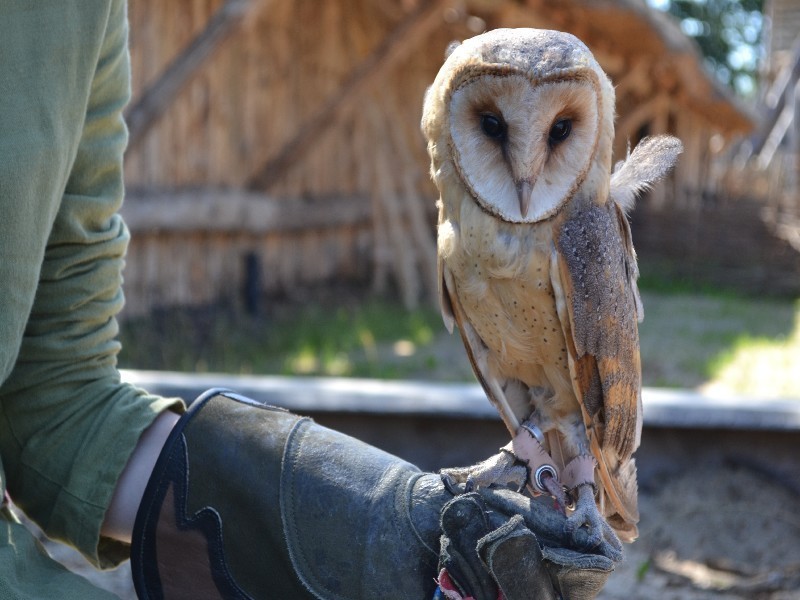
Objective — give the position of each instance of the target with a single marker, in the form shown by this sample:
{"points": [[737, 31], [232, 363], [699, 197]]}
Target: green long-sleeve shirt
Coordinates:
{"points": [[67, 424]]}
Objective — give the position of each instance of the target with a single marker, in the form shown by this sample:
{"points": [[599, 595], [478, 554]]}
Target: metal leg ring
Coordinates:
{"points": [[534, 431], [538, 477]]}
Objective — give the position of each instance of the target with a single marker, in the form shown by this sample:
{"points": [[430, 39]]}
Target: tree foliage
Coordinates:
{"points": [[729, 33]]}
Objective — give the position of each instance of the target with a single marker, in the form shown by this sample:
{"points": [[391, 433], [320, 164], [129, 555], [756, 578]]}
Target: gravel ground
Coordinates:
{"points": [[716, 532]]}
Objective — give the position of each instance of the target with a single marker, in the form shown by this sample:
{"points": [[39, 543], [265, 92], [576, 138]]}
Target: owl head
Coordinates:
{"points": [[524, 118]]}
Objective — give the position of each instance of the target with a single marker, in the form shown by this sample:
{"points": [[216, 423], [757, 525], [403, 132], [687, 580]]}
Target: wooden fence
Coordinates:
{"points": [[276, 143], [202, 247]]}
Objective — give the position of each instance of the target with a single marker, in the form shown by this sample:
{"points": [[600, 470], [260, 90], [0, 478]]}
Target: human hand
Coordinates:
{"points": [[497, 543]]}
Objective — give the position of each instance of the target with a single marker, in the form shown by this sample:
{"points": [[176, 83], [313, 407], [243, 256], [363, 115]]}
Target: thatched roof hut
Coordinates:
{"points": [[286, 132]]}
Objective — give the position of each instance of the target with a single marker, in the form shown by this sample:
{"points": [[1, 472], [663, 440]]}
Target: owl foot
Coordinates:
{"points": [[587, 516], [501, 470]]}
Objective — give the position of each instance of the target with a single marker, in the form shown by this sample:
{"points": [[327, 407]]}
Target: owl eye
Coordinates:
{"points": [[560, 131], [493, 126]]}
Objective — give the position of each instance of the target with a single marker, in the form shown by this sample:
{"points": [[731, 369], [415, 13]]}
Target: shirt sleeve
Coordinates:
{"points": [[67, 423]]}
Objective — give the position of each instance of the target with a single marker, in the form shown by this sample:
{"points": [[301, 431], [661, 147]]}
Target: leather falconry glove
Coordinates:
{"points": [[487, 555], [251, 501]]}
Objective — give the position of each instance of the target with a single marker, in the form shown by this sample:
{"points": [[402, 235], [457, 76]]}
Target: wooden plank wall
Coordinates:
{"points": [[204, 268], [260, 86], [729, 244], [784, 16], [259, 89], [264, 83], [193, 248]]}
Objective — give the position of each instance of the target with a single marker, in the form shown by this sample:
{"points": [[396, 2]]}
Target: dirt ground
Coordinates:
{"points": [[717, 532]]}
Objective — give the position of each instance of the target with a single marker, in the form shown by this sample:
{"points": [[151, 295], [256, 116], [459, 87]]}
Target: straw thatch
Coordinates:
{"points": [[286, 133]]}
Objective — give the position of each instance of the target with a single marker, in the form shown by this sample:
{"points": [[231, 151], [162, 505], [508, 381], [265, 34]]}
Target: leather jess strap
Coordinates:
{"points": [[528, 448], [579, 470]]}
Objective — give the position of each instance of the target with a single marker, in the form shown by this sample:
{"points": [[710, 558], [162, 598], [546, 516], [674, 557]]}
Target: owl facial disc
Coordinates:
{"points": [[523, 146]]}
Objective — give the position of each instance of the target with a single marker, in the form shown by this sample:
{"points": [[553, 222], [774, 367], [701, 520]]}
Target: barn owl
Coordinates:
{"points": [[536, 264]]}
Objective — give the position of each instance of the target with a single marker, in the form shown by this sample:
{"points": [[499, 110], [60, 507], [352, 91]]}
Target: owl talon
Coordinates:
{"points": [[587, 516], [500, 470], [451, 485]]}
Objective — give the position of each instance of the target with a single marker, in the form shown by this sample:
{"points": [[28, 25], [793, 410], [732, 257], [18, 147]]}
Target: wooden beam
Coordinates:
{"points": [[403, 40], [229, 210], [674, 408], [648, 111], [638, 79], [156, 99], [768, 143], [775, 101]]}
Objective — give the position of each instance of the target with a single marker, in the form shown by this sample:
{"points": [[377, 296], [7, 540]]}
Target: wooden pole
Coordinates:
{"points": [[776, 101], [155, 100], [404, 39], [793, 172]]}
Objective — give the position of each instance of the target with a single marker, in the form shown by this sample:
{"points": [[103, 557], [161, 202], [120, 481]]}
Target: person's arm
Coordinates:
{"points": [[68, 425], [121, 514], [250, 501]]}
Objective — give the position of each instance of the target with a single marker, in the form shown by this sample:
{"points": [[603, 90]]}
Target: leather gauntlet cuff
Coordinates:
{"points": [[251, 501]]}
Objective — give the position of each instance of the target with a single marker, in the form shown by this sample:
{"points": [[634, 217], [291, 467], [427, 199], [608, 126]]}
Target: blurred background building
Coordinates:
{"points": [[276, 143]]}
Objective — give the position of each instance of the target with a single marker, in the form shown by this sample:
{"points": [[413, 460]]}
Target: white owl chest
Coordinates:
{"points": [[502, 272]]}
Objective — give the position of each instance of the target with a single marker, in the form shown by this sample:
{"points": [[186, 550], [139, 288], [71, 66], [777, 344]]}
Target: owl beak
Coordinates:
{"points": [[524, 191]]}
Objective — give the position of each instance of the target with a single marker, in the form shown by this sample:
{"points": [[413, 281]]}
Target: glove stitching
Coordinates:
{"points": [[288, 516]]}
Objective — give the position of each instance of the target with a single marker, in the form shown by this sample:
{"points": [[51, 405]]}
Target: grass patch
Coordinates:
{"points": [[759, 366], [671, 285], [722, 341], [693, 340], [307, 339]]}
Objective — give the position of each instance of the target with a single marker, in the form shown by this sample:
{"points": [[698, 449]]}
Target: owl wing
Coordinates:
{"points": [[593, 270]]}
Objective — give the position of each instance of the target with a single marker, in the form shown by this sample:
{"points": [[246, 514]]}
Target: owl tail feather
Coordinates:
{"points": [[618, 486], [651, 160]]}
